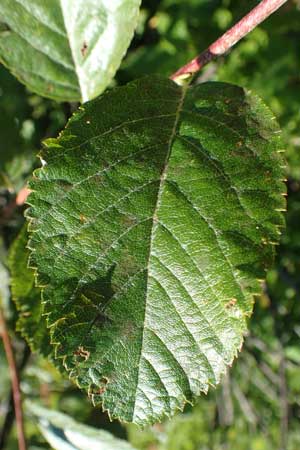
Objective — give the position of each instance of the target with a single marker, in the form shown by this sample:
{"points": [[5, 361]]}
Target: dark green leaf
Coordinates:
{"points": [[154, 218]]}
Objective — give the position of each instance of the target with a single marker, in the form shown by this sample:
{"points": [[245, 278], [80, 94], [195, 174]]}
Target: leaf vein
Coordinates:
{"points": [[215, 234], [189, 332]]}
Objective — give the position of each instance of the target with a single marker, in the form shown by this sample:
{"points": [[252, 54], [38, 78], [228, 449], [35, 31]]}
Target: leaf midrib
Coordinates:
{"points": [[163, 178]]}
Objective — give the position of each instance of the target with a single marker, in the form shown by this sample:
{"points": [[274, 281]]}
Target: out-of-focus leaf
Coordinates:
{"points": [[5, 381], [64, 433], [293, 353], [4, 279], [16, 155], [178, 30], [267, 62], [31, 323], [66, 49]]}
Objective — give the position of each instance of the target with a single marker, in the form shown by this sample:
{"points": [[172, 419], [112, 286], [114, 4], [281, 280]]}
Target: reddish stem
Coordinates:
{"points": [[261, 12], [14, 381], [22, 196]]}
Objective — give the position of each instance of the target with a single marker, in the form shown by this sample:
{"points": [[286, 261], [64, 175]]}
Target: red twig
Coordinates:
{"points": [[14, 381], [261, 12], [22, 196]]}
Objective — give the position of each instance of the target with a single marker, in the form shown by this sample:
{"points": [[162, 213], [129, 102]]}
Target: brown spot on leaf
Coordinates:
{"points": [[98, 389], [98, 179], [128, 329], [84, 49], [82, 218], [85, 354], [128, 220], [231, 303]]}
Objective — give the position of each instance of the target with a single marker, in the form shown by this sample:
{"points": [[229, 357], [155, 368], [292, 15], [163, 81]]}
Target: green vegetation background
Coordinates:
{"points": [[257, 407]]}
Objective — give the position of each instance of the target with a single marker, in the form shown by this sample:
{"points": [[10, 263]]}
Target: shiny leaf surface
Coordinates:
{"points": [[153, 219], [64, 433]]}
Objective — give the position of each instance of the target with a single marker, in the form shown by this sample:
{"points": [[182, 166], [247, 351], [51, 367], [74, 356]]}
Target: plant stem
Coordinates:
{"points": [[284, 405], [10, 413], [14, 382], [257, 15]]}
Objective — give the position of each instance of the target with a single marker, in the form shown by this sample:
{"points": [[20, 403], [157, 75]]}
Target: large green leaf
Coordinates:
{"points": [[153, 219], [64, 433], [66, 49], [27, 297]]}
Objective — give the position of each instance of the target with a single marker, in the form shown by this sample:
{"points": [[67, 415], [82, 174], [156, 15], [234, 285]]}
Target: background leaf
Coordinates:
{"points": [[66, 49], [31, 323], [150, 251], [16, 153], [4, 278], [25, 120], [64, 433]]}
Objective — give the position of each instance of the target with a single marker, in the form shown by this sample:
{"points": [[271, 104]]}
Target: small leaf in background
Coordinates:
{"points": [[4, 279], [66, 49], [153, 220], [64, 433], [4, 284], [31, 324]]}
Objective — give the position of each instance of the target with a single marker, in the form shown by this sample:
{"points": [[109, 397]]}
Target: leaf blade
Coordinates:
{"points": [[67, 50], [151, 262], [64, 433]]}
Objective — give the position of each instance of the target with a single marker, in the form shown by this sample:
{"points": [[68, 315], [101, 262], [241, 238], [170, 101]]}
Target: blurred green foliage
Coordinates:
{"points": [[257, 407]]}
